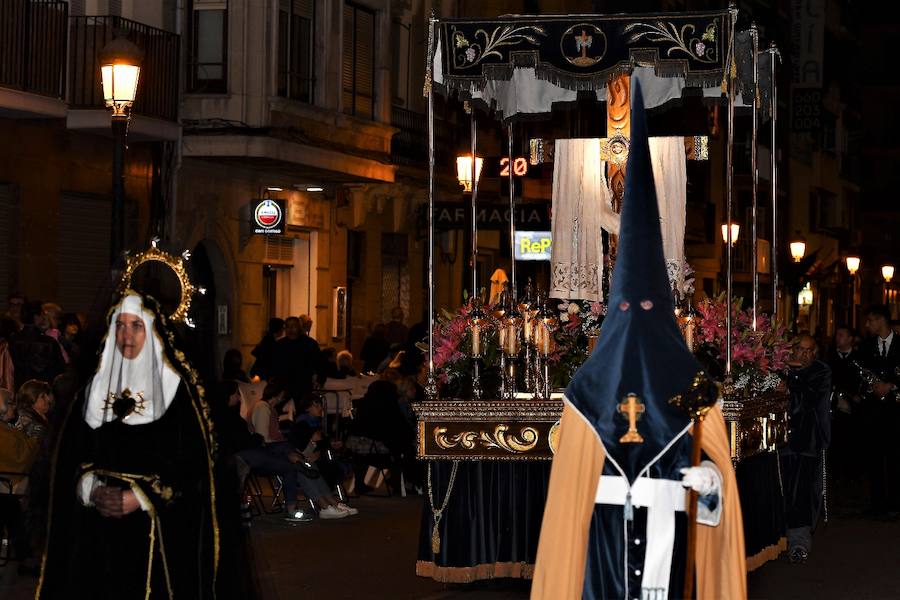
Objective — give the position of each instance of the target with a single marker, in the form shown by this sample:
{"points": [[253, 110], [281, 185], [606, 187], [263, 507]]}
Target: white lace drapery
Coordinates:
{"points": [[670, 178], [582, 205]]}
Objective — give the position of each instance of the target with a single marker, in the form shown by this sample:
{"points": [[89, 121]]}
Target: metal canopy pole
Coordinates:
{"points": [[512, 216], [774, 53], [729, 207], [474, 227], [431, 392], [754, 157]]}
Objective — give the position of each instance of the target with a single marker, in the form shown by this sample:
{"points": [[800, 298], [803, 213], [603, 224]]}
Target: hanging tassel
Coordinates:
{"points": [[435, 540], [629, 509]]}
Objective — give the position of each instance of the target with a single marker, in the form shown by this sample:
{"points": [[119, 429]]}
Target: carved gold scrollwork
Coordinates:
{"points": [[500, 439]]}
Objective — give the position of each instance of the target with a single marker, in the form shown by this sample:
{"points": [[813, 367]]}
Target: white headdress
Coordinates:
{"points": [[147, 379]]}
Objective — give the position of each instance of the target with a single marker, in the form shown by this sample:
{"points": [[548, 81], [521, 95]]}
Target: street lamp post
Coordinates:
{"points": [[120, 69], [852, 268]]}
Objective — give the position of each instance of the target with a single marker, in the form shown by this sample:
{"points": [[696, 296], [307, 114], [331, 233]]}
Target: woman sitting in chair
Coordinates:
{"points": [[279, 457]]}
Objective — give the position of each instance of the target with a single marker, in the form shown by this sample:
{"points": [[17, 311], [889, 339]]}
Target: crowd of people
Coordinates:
{"points": [[269, 420], [278, 427], [39, 348]]}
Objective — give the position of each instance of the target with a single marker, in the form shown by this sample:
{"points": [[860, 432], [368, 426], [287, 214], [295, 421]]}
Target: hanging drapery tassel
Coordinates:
{"points": [[439, 512]]}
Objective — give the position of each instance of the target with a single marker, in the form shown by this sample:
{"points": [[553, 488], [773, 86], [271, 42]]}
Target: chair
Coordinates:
{"points": [[253, 488]]}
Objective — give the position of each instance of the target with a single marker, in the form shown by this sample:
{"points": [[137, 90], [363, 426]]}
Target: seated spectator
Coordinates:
{"points": [[232, 368], [279, 457], [17, 450], [35, 355], [345, 365], [34, 400], [380, 421], [17, 454], [328, 366], [307, 435]]}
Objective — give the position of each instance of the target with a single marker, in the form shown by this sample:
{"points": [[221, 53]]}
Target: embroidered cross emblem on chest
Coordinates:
{"points": [[632, 407]]}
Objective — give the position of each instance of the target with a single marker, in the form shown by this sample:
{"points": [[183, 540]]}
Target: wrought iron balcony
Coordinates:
{"points": [[33, 46], [157, 94]]}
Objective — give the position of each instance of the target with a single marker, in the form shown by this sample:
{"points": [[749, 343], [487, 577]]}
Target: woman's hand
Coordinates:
{"points": [[114, 502]]}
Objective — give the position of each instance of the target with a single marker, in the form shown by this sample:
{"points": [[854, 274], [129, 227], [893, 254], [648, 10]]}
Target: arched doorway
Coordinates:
{"points": [[211, 311]]}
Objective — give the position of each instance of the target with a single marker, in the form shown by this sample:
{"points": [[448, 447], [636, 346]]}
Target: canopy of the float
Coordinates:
{"points": [[521, 65]]}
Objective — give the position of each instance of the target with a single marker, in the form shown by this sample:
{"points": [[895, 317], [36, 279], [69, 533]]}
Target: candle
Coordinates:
{"points": [[689, 334], [476, 340], [511, 340], [544, 345]]}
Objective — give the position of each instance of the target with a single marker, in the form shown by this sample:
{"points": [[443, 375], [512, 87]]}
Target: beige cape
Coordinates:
{"points": [[577, 465]]}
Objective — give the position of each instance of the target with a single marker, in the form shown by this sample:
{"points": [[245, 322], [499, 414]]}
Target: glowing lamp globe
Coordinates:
{"points": [[120, 69]]}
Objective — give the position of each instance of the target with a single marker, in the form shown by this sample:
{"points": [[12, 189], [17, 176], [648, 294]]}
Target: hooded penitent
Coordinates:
{"points": [[622, 535]]}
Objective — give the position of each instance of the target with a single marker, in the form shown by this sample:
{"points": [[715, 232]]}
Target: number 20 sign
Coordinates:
{"points": [[520, 167]]}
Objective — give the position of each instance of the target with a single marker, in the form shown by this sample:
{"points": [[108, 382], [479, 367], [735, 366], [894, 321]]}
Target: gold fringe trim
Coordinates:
{"points": [[766, 554], [478, 572]]}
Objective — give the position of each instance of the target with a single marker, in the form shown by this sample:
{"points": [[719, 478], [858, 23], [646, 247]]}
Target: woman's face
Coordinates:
{"points": [[130, 335], [42, 404], [71, 330], [234, 399]]}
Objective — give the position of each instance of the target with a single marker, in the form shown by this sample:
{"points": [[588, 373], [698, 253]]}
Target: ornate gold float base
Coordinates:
{"points": [[476, 573], [487, 430], [527, 429]]}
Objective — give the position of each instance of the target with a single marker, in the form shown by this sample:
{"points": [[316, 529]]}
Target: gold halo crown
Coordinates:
{"points": [[176, 263]]}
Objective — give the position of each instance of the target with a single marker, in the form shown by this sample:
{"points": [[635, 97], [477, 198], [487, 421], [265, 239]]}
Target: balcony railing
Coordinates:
{"points": [[33, 46], [410, 146], [157, 94]]}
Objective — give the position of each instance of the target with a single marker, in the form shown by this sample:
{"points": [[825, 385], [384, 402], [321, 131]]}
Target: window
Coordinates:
{"points": [[358, 61], [207, 58], [296, 49]]}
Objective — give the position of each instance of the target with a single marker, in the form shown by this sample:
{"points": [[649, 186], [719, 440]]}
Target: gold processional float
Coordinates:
{"points": [[521, 422], [521, 426]]}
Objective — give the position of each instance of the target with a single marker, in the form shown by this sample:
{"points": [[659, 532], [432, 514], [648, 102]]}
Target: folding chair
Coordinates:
{"points": [[253, 488]]}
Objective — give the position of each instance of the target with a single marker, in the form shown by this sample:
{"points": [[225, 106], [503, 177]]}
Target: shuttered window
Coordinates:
{"points": [[296, 71], [208, 51], [358, 67], [8, 241], [84, 235]]}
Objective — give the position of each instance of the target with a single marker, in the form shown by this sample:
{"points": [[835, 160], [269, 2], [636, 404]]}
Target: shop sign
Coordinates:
{"points": [[533, 245], [456, 215], [267, 216]]}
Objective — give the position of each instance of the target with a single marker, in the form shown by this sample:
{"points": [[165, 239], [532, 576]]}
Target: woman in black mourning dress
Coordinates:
{"points": [[133, 510]]}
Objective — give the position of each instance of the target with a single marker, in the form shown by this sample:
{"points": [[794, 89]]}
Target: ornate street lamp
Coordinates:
{"points": [[120, 70], [853, 264], [464, 171], [798, 247], [735, 231], [805, 297], [887, 271]]}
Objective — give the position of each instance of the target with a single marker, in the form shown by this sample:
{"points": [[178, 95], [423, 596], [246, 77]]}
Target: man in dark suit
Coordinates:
{"points": [[845, 408], [880, 356], [809, 382]]}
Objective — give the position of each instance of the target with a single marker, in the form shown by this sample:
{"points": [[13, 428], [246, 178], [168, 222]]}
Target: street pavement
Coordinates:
{"points": [[373, 555]]}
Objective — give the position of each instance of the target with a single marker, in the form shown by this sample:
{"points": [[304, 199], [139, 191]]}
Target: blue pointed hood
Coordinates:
{"points": [[640, 350]]}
